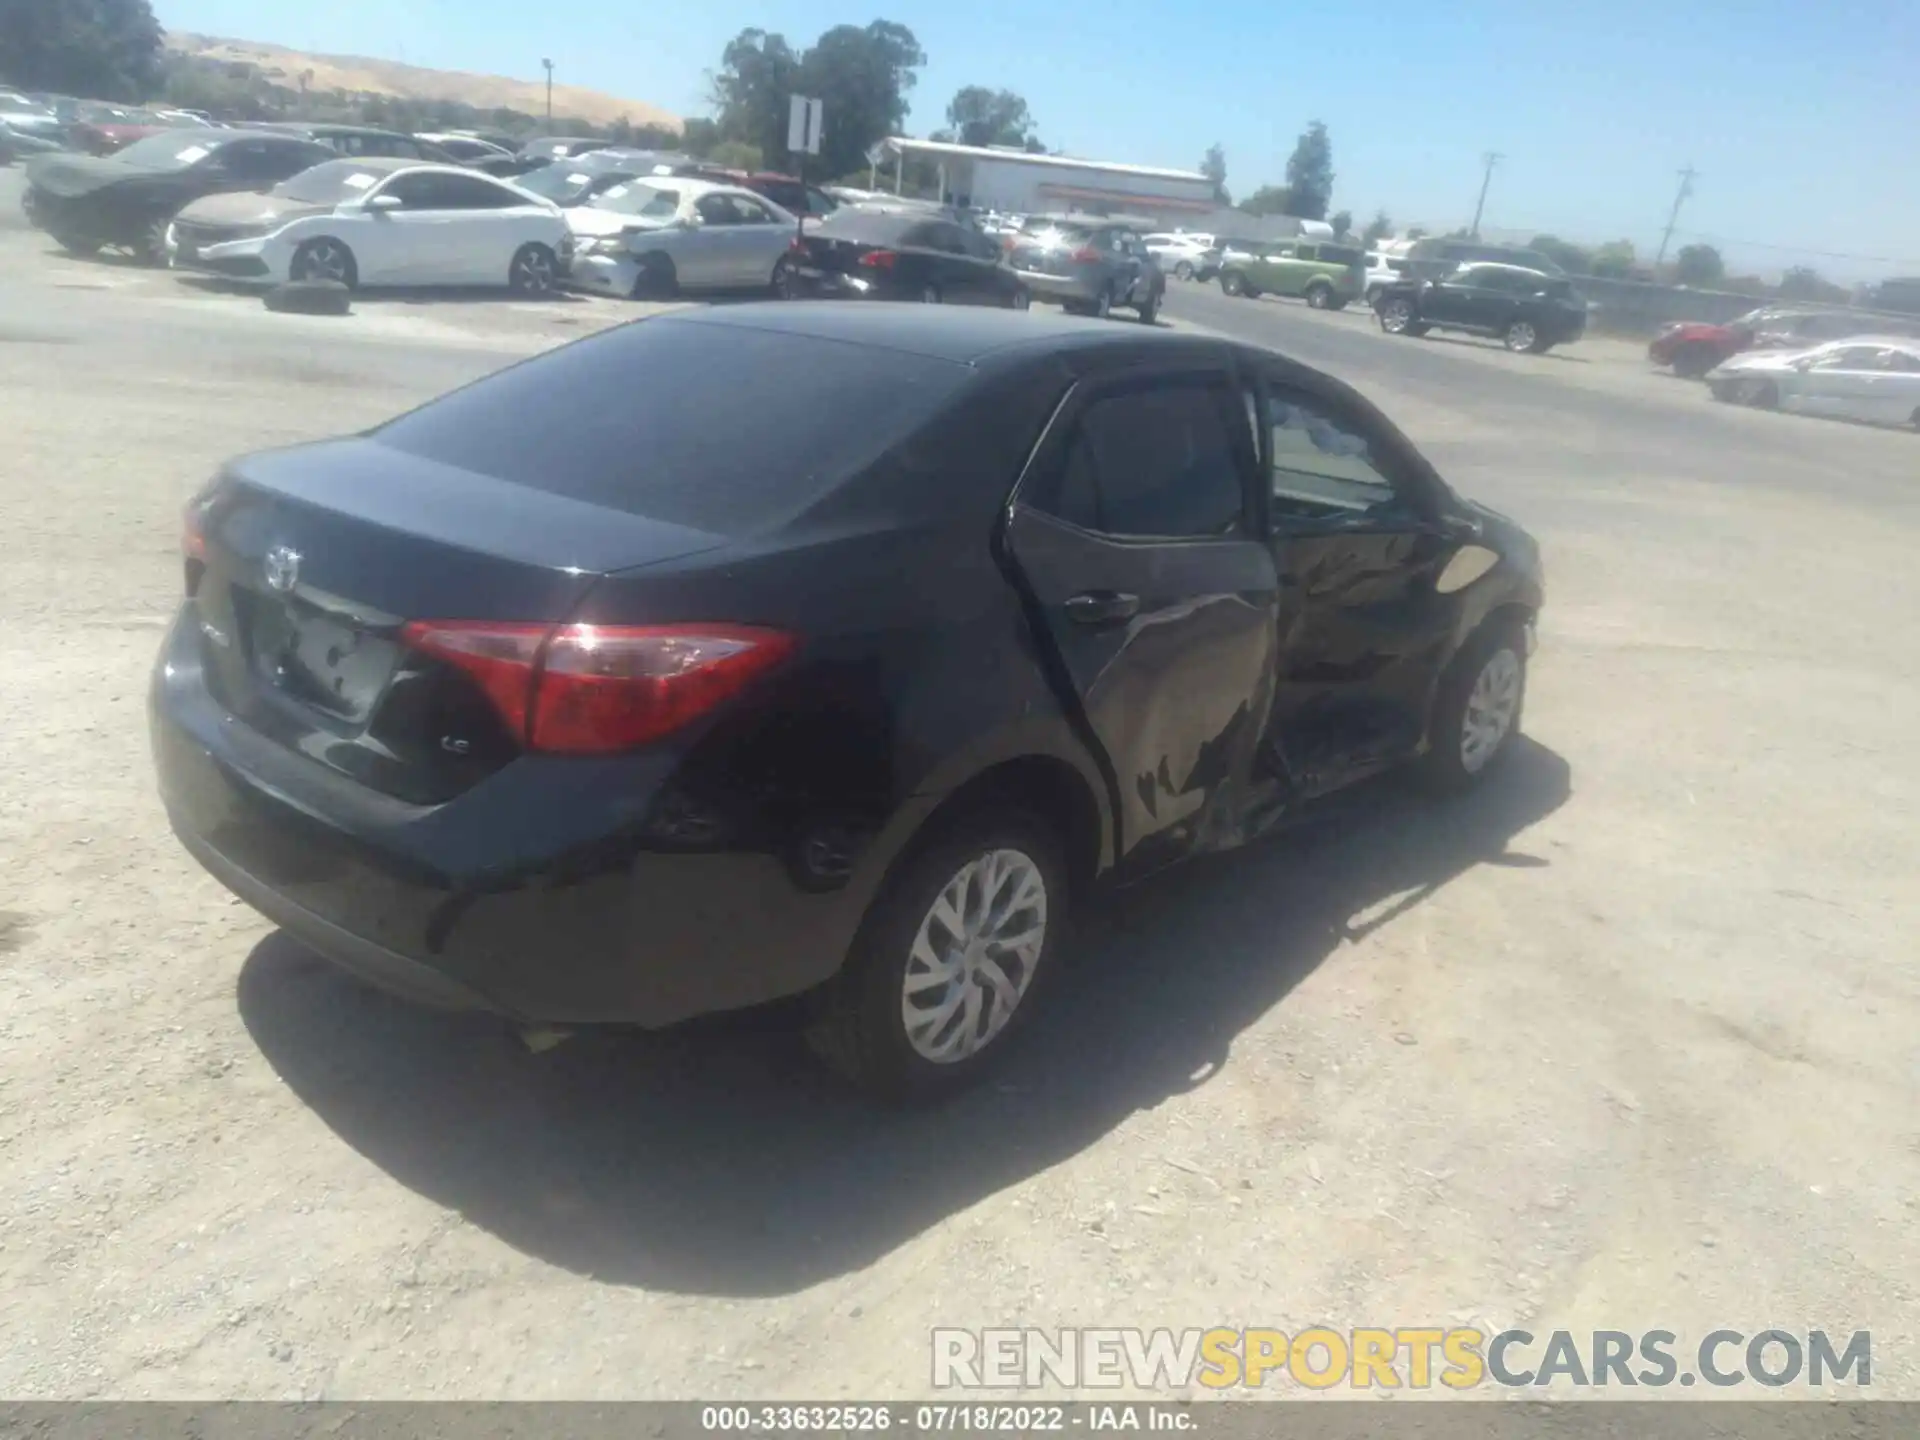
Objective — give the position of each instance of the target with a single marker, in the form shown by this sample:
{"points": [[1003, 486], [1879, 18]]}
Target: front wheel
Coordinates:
{"points": [[1320, 297], [1103, 305], [151, 247], [943, 970], [781, 284], [1522, 338], [1396, 317], [1021, 299], [324, 260], [1148, 309], [1183, 271], [1232, 284], [535, 271], [930, 295], [1477, 710]]}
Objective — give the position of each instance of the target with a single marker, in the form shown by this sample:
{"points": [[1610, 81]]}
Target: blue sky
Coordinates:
{"points": [[1801, 119]]}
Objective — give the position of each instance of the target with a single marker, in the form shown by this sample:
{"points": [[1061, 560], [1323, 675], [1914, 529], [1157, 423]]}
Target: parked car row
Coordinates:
{"points": [[1691, 348]]}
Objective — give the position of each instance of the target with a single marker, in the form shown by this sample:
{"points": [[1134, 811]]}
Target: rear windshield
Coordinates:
{"points": [[878, 227], [716, 426]]}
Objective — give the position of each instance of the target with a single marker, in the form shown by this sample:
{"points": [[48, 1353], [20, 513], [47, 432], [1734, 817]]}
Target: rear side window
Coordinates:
{"points": [[871, 227], [1154, 461], [719, 427]]}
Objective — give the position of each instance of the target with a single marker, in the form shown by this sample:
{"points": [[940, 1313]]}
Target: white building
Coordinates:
{"points": [[1013, 181]]}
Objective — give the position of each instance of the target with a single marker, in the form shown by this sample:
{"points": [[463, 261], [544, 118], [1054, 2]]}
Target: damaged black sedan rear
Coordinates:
{"points": [[833, 651]]}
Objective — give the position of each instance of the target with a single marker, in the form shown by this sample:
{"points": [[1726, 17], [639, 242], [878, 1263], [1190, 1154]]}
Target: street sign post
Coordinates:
{"points": [[806, 122]]}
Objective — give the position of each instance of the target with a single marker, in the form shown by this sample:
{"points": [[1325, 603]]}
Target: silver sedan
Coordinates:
{"points": [[1864, 377], [659, 236]]}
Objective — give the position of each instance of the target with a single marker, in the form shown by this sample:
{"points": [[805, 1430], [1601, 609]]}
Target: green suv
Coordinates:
{"points": [[1327, 276]]}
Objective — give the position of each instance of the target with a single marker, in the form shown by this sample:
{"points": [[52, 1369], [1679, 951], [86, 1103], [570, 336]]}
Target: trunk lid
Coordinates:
{"points": [[313, 559], [837, 256]]}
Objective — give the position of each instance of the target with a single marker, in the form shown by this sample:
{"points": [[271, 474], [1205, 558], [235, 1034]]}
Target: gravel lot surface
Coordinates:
{"points": [[1629, 1040]]}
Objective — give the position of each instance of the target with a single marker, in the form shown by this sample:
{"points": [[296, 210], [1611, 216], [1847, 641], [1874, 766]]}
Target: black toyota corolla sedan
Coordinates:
{"points": [[832, 651]]}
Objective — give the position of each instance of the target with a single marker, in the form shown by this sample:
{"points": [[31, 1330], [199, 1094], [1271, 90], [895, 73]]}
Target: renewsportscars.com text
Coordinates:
{"points": [[1402, 1357]]}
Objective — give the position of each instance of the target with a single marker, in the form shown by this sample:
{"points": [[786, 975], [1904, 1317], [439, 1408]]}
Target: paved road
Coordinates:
{"points": [[1628, 1040]]}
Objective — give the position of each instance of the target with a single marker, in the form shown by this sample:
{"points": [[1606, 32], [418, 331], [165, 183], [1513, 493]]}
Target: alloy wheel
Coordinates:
{"points": [[930, 296], [533, 272], [1022, 298], [1103, 307], [1492, 706], [1520, 336], [973, 957], [322, 260], [1318, 296], [1396, 316]]}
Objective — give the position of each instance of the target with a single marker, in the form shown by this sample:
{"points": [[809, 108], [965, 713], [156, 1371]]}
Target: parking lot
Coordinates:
{"points": [[1626, 1040]]}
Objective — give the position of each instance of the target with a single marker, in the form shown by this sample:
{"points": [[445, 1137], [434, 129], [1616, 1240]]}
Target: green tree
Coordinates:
{"points": [[737, 155], [1310, 174], [863, 75], [1699, 265], [1614, 260], [1268, 200], [1214, 167], [699, 135], [757, 77], [1342, 223], [1377, 229], [1803, 282], [979, 116], [1564, 253], [105, 49]]}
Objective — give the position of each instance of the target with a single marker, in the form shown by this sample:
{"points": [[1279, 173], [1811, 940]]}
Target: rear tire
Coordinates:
{"points": [[1148, 309], [1021, 299], [781, 283], [323, 258], [151, 249], [1477, 709], [1183, 271], [1320, 296], [1103, 305], [930, 295], [534, 273], [1522, 338], [860, 1026], [1231, 283]]}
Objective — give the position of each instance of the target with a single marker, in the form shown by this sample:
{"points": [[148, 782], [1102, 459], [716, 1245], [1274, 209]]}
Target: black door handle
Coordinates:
{"points": [[1102, 607]]}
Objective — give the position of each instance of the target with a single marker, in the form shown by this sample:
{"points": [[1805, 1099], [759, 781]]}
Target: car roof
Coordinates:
{"points": [[327, 127], [1906, 343], [1505, 265], [965, 334]]}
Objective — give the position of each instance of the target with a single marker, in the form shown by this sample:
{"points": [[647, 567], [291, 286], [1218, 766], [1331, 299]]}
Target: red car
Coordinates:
{"points": [[1692, 349], [103, 129]]}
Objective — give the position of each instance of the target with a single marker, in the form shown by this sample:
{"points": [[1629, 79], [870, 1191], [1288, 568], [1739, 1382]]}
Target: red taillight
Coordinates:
{"points": [[1085, 255], [591, 689], [193, 538], [879, 259]]}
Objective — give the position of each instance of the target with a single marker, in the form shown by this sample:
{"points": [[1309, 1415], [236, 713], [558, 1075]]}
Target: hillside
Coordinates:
{"points": [[358, 73]]}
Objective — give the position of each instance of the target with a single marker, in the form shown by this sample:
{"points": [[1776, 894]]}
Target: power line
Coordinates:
{"points": [[1673, 217], [1702, 235], [1491, 159]]}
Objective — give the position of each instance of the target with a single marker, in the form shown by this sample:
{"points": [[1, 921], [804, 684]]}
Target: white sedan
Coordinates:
{"points": [[1864, 377], [372, 221]]}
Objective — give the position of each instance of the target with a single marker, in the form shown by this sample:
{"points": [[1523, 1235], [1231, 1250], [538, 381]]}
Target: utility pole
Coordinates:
{"points": [[1491, 159], [1686, 188], [549, 65]]}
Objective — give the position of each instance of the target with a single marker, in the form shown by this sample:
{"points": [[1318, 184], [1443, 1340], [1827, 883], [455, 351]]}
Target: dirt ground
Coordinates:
{"points": [[1628, 1040]]}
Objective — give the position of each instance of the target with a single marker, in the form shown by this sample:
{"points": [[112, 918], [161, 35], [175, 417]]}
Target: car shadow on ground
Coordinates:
{"points": [[1475, 343], [391, 295], [717, 1159]]}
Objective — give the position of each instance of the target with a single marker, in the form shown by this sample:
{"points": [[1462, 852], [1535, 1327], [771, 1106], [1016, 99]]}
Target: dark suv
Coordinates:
{"points": [[1524, 309], [1088, 266]]}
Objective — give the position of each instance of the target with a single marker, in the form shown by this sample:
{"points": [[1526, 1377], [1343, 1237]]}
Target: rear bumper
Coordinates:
{"points": [[560, 890], [1080, 289]]}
